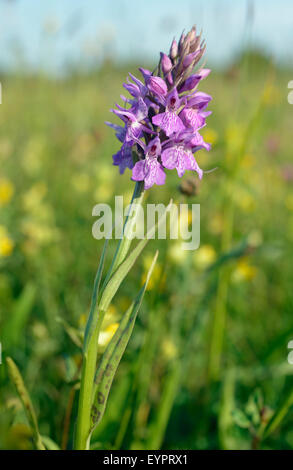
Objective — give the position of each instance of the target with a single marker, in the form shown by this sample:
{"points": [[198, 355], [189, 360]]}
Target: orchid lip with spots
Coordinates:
{"points": [[163, 118]]}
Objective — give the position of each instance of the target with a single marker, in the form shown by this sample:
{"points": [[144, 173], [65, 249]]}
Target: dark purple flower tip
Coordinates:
{"points": [[173, 101], [169, 121]]}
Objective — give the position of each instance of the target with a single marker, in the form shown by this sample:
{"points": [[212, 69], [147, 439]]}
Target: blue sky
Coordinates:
{"points": [[48, 34]]}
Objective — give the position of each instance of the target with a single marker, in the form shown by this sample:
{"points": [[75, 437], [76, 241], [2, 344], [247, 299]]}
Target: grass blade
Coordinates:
{"points": [[278, 416], [16, 378], [90, 326]]}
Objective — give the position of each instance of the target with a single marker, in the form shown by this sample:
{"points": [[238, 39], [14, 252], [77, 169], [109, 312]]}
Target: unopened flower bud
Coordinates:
{"points": [[190, 83], [190, 38], [181, 40], [173, 50], [187, 61], [166, 63], [157, 85]]}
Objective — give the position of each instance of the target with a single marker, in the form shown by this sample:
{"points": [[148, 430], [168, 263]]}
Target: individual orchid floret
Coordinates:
{"points": [[169, 121], [150, 169], [133, 119], [179, 154]]}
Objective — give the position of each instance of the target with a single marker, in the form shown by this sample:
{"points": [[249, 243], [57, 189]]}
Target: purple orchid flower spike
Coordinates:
{"points": [[169, 121], [164, 114], [150, 169]]}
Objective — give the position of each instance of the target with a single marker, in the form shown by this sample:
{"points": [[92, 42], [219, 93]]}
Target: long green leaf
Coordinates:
{"points": [[124, 268], [90, 326], [49, 443], [16, 378], [113, 354]]}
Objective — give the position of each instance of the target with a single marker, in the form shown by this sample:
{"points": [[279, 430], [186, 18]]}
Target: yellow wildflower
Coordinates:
{"points": [[176, 254], [169, 349], [244, 271], [204, 256], [6, 191], [107, 334], [6, 246]]}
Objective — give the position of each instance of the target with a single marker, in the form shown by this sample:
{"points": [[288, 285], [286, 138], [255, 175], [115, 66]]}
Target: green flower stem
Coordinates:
{"points": [[90, 353], [125, 241]]}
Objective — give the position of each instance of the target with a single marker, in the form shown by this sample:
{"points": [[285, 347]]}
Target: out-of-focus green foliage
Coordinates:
{"points": [[56, 164]]}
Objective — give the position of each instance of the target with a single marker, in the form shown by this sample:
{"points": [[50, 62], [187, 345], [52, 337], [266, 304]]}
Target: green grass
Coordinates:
{"points": [[56, 152]]}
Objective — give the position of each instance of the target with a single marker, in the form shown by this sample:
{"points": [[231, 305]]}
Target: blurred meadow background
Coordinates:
{"points": [[208, 365]]}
